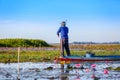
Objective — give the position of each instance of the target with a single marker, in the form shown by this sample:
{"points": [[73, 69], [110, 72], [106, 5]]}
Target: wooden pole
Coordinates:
{"points": [[18, 63]]}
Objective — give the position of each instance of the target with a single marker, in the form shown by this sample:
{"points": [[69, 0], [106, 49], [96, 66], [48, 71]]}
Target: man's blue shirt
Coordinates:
{"points": [[64, 31]]}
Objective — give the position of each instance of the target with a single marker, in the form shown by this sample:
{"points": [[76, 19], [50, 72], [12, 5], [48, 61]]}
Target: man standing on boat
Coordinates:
{"points": [[63, 30]]}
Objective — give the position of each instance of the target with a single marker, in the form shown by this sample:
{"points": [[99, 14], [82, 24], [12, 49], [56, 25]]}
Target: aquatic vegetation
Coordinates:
{"points": [[17, 42], [47, 54], [49, 68], [8, 56], [69, 67], [111, 68], [117, 69]]}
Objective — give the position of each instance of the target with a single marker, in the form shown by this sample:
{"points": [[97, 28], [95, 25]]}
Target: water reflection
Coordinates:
{"points": [[64, 73]]}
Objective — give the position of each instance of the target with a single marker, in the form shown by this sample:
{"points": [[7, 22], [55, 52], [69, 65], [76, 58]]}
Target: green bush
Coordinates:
{"points": [[23, 43]]}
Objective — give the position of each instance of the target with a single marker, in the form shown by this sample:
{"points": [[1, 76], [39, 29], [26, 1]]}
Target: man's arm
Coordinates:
{"points": [[59, 30], [58, 35], [67, 30]]}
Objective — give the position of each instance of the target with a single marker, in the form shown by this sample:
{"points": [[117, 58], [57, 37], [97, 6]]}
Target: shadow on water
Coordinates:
{"points": [[56, 71]]}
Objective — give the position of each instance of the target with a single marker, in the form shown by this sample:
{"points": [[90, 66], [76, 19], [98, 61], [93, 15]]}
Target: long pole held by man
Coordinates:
{"points": [[64, 41]]}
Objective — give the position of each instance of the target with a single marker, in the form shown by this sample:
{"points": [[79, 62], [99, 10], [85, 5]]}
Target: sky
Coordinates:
{"points": [[87, 20]]}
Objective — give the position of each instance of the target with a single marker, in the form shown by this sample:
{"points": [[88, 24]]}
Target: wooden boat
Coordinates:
{"points": [[90, 57]]}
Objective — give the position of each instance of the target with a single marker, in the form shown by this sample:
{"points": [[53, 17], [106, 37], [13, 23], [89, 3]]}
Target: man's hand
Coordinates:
{"points": [[58, 35]]}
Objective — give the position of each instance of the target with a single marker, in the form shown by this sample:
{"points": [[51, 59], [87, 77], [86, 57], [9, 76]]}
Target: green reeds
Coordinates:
{"points": [[45, 55]]}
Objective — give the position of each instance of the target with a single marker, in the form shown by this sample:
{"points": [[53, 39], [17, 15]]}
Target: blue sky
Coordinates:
{"points": [[88, 20]]}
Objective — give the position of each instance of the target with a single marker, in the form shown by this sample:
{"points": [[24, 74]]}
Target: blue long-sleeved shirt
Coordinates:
{"points": [[64, 32]]}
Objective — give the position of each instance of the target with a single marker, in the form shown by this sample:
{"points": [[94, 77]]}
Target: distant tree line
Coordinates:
{"points": [[95, 43], [23, 43]]}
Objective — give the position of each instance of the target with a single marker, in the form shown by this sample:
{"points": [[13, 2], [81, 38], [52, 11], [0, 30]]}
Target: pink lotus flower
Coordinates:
{"points": [[87, 70], [93, 76], [77, 65], [93, 65], [105, 71], [55, 61], [107, 62], [78, 79]]}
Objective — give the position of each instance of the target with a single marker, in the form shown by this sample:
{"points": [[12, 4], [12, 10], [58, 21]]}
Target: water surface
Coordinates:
{"points": [[56, 71]]}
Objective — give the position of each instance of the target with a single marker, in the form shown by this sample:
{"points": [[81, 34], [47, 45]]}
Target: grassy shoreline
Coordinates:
{"points": [[10, 56]]}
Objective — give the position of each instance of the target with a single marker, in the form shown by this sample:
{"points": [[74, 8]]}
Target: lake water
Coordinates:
{"points": [[54, 71]]}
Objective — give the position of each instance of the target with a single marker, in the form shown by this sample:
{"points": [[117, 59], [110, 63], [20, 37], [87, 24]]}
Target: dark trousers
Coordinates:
{"points": [[64, 45]]}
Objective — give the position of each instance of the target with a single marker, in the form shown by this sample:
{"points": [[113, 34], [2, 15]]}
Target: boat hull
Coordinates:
{"points": [[95, 58]]}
